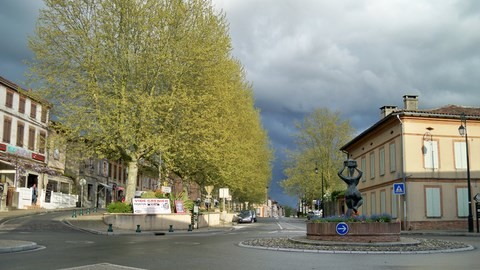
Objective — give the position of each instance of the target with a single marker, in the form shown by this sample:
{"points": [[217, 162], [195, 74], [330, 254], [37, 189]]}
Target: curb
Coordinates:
{"points": [[10, 246], [323, 251]]}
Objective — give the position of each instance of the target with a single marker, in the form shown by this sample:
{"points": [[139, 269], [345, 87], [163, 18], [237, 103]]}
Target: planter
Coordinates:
{"points": [[360, 232]]}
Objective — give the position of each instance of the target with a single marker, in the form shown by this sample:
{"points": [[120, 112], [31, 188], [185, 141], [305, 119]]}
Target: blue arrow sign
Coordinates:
{"points": [[399, 188], [342, 228]]}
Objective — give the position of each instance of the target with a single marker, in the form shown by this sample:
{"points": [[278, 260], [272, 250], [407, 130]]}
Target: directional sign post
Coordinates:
{"points": [[399, 188], [342, 228]]}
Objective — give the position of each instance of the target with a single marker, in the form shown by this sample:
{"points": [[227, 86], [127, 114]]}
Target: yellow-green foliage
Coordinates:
{"points": [[136, 79], [318, 140], [149, 194], [119, 207]]}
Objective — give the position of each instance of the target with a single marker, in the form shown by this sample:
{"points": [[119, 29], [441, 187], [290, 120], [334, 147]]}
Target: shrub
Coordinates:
{"points": [[119, 207], [362, 218]]}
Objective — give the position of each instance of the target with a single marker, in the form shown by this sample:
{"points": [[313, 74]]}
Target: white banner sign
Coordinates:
{"points": [[151, 206], [223, 193]]}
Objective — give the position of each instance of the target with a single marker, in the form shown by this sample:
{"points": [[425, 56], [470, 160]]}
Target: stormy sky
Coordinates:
{"points": [[351, 56]]}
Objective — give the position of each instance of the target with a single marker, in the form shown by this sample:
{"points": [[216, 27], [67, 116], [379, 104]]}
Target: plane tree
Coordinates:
{"points": [[135, 80]]}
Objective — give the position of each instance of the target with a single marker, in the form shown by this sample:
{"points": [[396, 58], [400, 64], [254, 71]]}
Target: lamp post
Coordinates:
{"points": [[463, 132], [316, 172]]}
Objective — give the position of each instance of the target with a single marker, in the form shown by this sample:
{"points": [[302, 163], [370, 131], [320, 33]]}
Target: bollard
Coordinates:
{"points": [[171, 228], [95, 209], [138, 229], [74, 214], [110, 229], [189, 227], [81, 212], [88, 211]]}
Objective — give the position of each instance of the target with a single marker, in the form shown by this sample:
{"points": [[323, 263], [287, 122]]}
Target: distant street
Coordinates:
{"points": [[66, 247]]}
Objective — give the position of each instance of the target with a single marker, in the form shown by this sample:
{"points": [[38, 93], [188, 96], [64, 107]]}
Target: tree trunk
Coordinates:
{"points": [[131, 180]]}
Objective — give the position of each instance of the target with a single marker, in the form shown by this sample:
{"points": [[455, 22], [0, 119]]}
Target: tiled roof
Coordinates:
{"points": [[454, 109], [448, 111]]}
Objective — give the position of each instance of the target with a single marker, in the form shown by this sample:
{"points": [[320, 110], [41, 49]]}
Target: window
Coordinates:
{"points": [[462, 202], [383, 202], [31, 138], [7, 129], [460, 155], [33, 110], [115, 171], [373, 204], [9, 99], [89, 192], [363, 167], [430, 154], [42, 142], [393, 160], [381, 159], [394, 210], [44, 114], [21, 105], [365, 203], [432, 200], [20, 133], [65, 188], [372, 165]]}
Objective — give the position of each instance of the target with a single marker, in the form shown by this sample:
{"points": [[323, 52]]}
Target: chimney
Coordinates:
{"points": [[410, 102], [386, 110]]}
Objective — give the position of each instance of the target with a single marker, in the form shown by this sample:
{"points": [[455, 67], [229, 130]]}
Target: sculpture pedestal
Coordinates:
{"points": [[359, 232]]}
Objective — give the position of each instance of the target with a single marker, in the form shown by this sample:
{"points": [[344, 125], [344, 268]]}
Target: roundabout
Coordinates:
{"points": [[404, 246]]}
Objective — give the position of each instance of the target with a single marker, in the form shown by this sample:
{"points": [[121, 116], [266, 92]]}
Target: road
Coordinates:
{"points": [[68, 248]]}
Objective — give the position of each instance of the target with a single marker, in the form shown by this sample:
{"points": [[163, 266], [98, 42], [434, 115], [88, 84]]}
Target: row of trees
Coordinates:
{"points": [[317, 157], [151, 80]]}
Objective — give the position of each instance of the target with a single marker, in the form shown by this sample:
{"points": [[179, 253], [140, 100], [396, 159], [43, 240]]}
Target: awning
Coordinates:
{"points": [[105, 185]]}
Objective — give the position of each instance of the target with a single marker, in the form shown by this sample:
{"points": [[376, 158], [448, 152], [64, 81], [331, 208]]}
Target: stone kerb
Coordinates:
{"points": [[361, 232]]}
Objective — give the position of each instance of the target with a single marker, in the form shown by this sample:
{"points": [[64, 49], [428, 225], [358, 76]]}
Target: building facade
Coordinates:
{"points": [[25, 156], [423, 154]]}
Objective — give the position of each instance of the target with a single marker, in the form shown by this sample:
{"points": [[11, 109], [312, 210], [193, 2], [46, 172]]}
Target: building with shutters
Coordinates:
{"points": [[423, 150], [26, 158]]}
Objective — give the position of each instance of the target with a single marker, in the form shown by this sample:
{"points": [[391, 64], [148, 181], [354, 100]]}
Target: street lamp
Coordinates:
{"points": [[316, 172], [463, 132]]}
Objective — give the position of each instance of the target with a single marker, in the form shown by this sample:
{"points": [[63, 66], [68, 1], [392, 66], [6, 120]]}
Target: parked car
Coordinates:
{"points": [[247, 216], [314, 214]]}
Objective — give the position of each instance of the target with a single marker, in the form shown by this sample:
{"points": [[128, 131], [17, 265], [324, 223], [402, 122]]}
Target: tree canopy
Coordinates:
{"points": [[317, 155], [146, 78]]}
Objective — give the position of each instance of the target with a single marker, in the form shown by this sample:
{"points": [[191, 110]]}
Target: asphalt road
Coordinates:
{"points": [[67, 248]]}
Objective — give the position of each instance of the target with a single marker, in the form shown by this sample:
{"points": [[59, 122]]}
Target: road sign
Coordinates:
{"points": [[399, 188], [342, 228]]}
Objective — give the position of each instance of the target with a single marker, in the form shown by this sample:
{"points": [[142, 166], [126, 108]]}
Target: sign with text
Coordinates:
{"points": [[151, 206]]}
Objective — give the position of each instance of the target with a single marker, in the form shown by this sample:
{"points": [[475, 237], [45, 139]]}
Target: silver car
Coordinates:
{"points": [[247, 216]]}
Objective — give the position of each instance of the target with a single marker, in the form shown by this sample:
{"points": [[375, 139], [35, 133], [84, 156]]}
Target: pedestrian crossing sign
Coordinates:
{"points": [[399, 188]]}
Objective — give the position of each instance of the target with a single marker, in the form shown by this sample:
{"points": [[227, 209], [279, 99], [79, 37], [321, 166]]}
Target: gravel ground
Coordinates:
{"points": [[420, 246]]}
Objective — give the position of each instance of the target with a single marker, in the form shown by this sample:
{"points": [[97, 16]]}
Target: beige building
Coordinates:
{"points": [[423, 150]]}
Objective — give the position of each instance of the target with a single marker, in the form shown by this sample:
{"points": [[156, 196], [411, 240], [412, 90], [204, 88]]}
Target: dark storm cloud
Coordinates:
{"points": [[17, 22], [354, 56]]}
